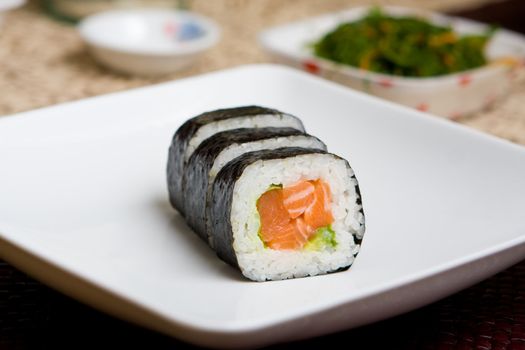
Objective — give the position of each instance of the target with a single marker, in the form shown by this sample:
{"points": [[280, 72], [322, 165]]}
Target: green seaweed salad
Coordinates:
{"points": [[405, 46]]}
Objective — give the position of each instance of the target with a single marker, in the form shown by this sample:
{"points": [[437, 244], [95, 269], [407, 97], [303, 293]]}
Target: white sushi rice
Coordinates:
{"points": [[237, 149], [257, 121], [259, 263]]}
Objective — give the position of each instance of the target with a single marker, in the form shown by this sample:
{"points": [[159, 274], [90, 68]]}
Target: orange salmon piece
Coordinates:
{"points": [[298, 197], [304, 230], [288, 238], [319, 213], [290, 216], [274, 216]]}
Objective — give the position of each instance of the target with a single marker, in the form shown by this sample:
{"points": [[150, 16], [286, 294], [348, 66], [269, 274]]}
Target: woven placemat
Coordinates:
{"points": [[44, 62]]}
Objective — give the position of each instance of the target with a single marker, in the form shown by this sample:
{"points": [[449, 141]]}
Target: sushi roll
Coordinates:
{"points": [[191, 134], [286, 213], [217, 150]]}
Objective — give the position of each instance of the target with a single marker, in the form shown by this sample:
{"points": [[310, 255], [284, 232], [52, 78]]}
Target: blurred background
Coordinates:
{"points": [[44, 60], [42, 56]]}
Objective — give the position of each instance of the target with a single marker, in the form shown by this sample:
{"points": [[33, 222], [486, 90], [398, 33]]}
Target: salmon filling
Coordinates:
{"points": [[296, 215]]}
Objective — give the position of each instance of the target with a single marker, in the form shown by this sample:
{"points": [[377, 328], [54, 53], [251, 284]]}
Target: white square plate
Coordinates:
{"points": [[83, 207]]}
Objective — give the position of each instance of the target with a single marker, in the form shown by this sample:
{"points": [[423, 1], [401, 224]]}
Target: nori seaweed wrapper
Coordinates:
{"points": [[196, 174], [219, 207], [220, 204], [185, 133]]}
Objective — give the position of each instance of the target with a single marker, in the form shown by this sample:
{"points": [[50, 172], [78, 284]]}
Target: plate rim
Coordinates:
{"points": [[109, 302]]}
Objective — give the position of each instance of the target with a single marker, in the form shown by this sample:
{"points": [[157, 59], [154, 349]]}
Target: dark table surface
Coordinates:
{"points": [[489, 315]]}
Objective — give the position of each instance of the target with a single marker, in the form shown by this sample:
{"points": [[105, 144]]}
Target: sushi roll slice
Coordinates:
{"points": [[217, 150], [191, 134], [285, 213]]}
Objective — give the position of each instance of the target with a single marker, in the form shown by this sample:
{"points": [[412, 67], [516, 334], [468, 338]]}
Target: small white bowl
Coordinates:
{"points": [[6, 5], [148, 42]]}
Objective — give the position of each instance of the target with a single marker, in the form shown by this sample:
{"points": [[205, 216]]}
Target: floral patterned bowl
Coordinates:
{"points": [[148, 41], [451, 96]]}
